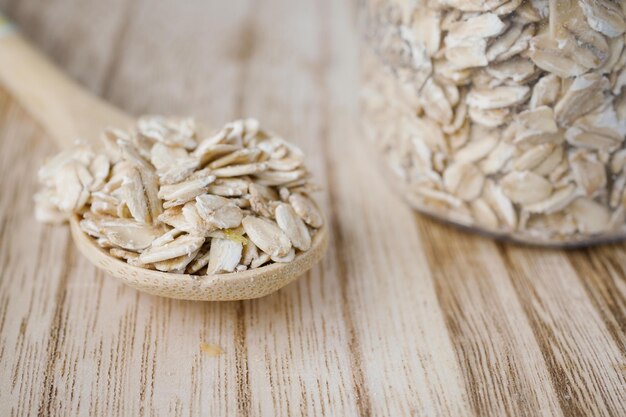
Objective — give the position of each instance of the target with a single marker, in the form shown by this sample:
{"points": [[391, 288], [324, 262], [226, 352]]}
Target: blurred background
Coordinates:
{"points": [[211, 59]]}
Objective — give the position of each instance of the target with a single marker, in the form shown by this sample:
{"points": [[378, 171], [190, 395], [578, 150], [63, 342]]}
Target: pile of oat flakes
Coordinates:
{"points": [[506, 115], [167, 196]]}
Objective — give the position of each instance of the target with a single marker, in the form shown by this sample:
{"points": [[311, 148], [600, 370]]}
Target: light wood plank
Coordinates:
{"points": [[36, 264], [302, 372], [82, 36], [582, 357], [503, 369], [397, 342], [603, 275]]}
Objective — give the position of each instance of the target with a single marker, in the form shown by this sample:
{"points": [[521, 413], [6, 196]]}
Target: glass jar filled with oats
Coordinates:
{"points": [[505, 116]]}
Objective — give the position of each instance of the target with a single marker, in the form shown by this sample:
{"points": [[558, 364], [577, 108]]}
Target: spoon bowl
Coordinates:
{"points": [[252, 283], [68, 112]]}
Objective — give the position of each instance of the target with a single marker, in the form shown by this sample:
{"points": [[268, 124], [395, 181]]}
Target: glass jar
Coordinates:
{"points": [[504, 116]]}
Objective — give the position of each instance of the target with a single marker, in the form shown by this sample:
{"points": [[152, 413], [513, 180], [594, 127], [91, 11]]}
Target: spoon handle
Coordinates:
{"points": [[63, 108]]}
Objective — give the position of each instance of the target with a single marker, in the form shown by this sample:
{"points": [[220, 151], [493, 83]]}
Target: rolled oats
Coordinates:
{"points": [[505, 115], [166, 196], [293, 226], [224, 255], [266, 235], [306, 208]]}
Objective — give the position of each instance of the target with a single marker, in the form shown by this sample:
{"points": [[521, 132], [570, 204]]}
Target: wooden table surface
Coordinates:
{"points": [[405, 316]]}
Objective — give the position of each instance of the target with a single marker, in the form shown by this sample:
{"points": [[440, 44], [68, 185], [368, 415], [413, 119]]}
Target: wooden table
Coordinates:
{"points": [[404, 317]]}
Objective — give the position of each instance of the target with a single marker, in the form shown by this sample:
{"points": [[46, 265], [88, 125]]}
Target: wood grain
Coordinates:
{"points": [[405, 316]]}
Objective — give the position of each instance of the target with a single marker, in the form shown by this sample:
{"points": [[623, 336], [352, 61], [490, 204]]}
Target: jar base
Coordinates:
{"points": [[568, 243]]}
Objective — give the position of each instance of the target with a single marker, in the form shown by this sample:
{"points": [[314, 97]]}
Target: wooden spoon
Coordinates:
{"points": [[67, 112]]}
